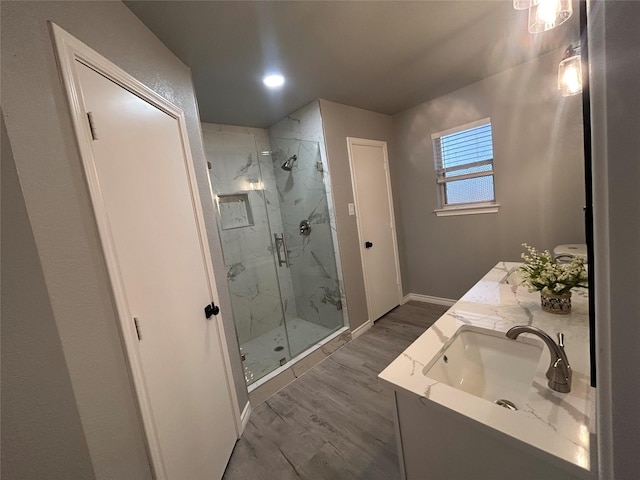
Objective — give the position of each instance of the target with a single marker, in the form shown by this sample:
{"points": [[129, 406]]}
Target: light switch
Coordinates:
{"points": [[352, 209]]}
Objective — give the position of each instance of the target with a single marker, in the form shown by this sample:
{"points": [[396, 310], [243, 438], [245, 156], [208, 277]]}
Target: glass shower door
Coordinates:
{"points": [[315, 309], [239, 189], [277, 244]]}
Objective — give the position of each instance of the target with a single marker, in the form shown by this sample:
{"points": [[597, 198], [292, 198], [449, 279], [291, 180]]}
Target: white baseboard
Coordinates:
{"points": [[429, 299], [405, 299], [360, 330], [244, 416]]}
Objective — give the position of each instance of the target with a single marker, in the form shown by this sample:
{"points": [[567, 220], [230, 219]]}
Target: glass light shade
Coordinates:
{"points": [[524, 4], [548, 14], [570, 76]]}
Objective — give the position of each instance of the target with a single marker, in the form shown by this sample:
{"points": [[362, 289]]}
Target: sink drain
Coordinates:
{"points": [[509, 405]]}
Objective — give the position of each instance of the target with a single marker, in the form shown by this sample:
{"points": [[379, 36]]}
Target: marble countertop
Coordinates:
{"points": [[559, 424]]}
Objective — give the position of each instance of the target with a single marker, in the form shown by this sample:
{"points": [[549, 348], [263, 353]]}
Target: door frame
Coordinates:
{"points": [[69, 50], [351, 141]]}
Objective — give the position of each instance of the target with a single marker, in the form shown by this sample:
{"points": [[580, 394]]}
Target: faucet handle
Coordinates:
{"points": [[561, 340]]}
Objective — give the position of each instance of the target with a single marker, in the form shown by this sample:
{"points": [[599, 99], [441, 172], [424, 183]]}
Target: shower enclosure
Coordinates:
{"points": [[277, 246]]}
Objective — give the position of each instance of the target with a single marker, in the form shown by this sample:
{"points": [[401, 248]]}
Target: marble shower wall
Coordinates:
{"points": [[244, 183], [305, 193]]}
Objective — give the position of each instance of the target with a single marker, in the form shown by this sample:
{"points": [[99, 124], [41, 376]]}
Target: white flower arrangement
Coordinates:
{"points": [[541, 272]]}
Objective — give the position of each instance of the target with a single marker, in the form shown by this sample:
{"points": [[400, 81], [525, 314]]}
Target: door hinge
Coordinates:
{"points": [[209, 165], [92, 127], [137, 325]]}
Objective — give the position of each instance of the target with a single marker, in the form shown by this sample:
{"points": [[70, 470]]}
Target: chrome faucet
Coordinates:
{"points": [[559, 372]]}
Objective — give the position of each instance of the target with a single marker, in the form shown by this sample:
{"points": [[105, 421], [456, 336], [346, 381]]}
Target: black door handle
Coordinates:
{"points": [[368, 244], [211, 309]]}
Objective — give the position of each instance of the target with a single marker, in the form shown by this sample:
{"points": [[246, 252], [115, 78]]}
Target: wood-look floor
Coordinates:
{"points": [[335, 422]]}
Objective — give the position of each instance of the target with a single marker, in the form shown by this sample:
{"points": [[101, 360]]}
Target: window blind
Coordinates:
{"points": [[464, 165]]}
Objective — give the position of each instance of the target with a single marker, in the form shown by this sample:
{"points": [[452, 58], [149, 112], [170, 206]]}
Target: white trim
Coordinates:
{"points": [[374, 143], [447, 302], [467, 210], [466, 126], [405, 299], [244, 417], [69, 50], [355, 333]]}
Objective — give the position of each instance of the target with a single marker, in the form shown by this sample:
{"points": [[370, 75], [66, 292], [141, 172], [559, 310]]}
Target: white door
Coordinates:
{"points": [[376, 226], [148, 197]]}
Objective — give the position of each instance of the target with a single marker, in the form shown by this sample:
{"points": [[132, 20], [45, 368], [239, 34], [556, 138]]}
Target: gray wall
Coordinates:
{"points": [[614, 45], [70, 281], [37, 397], [539, 178], [339, 122]]}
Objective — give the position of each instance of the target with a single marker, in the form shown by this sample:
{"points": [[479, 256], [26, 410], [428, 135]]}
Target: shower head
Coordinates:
{"points": [[288, 165]]}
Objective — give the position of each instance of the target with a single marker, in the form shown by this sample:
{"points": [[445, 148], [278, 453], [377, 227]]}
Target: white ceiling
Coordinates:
{"points": [[383, 56]]}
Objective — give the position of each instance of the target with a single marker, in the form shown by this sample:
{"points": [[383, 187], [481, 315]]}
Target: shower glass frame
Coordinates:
{"points": [[256, 198]]}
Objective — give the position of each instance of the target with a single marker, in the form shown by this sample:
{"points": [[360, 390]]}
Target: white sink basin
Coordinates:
{"points": [[487, 364]]}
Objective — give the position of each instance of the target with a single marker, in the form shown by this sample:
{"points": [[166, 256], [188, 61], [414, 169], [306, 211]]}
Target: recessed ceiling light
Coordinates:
{"points": [[273, 81]]}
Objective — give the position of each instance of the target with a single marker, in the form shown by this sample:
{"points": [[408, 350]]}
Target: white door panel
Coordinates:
{"points": [[145, 186], [374, 212]]}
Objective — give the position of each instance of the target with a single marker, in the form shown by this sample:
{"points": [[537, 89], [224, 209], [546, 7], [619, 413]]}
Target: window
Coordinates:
{"points": [[464, 168]]}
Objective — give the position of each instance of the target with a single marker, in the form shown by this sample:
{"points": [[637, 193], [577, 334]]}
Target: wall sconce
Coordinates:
{"points": [[547, 14], [570, 72], [524, 4]]}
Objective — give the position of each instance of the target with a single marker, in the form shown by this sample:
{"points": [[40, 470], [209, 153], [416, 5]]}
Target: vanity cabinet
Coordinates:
{"points": [[444, 432], [437, 443]]}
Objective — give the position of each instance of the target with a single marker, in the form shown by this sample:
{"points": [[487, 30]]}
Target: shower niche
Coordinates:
{"points": [[235, 211], [278, 244]]}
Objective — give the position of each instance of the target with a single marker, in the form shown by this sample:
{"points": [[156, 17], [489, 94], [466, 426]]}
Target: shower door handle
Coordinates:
{"points": [[281, 242], [278, 241]]}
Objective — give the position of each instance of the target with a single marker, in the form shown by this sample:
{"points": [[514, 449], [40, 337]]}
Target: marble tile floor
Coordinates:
{"points": [[261, 354], [335, 422]]}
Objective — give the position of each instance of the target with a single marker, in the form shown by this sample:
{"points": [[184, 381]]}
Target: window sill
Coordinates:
{"points": [[467, 210]]}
